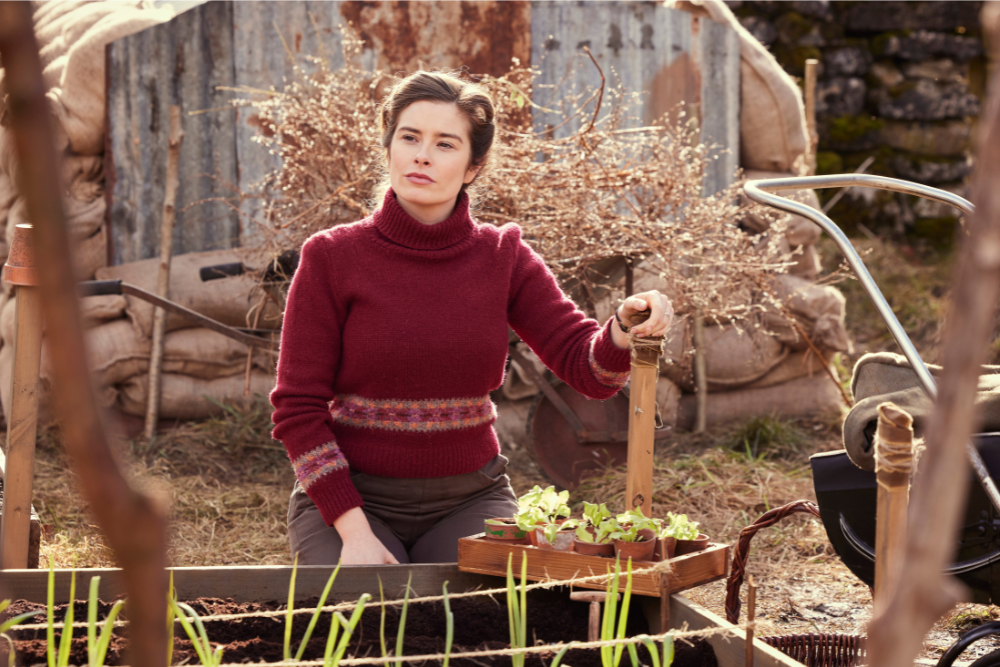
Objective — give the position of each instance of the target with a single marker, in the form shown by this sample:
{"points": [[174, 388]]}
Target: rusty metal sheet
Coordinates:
{"points": [[670, 56], [180, 62]]}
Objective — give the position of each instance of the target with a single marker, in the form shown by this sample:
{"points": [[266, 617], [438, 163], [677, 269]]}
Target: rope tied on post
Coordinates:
{"points": [[893, 443], [644, 349]]}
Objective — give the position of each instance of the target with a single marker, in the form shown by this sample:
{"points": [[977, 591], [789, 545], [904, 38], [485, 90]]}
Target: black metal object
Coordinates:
{"points": [[261, 338], [847, 498], [967, 640]]}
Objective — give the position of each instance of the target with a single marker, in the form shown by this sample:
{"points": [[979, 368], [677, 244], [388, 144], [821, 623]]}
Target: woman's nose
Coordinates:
{"points": [[421, 157]]}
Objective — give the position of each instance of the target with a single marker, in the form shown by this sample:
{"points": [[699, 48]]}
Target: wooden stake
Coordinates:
{"points": [[163, 280], [21, 430], [751, 617], [642, 419], [664, 602], [595, 598], [810, 102], [893, 462], [700, 374]]}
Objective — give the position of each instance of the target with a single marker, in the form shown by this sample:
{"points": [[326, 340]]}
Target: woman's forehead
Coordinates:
{"points": [[435, 118]]}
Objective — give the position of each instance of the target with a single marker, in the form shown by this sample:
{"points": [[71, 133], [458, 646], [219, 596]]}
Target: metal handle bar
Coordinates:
{"points": [[762, 192]]}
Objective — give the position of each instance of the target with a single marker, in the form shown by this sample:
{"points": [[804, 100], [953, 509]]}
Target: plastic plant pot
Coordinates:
{"points": [[505, 530], [691, 546]]}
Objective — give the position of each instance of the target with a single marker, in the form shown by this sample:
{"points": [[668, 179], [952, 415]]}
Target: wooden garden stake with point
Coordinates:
{"points": [[163, 280], [595, 598], [893, 463], [642, 418], [19, 468]]}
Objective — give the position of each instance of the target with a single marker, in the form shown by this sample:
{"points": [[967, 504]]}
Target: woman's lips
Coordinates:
{"points": [[419, 179]]}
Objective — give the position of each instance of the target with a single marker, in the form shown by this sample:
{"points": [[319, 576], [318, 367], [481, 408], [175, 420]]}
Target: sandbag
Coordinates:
{"points": [[804, 397], [773, 133], [117, 353], [90, 254], [184, 397], [817, 309], [83, 177], [798, 230], [81, 93], [793, 366], [733, 357], [517, 384], [96, 310], [884, 376], [807, 264], [227, 300]]}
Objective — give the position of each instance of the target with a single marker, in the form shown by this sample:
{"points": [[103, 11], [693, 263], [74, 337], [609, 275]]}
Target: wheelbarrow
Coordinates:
{"points": [[846, 494]]}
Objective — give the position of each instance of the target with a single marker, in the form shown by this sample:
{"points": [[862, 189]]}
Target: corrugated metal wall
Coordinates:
{"points": [[670, 55]]}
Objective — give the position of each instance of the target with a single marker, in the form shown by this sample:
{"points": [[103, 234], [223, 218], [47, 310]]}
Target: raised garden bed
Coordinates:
{"points": [[481, 622]]}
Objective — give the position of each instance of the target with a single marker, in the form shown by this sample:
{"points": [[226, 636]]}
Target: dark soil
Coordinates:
{"points": [[480, 624]]}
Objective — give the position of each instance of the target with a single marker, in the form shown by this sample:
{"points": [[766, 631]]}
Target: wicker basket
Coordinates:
{"points": [[812, 650]]}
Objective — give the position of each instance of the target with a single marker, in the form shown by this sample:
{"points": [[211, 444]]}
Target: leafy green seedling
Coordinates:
{"points": [[594, 514], [517, 609], [332, 658], [602, 533], [59, 658], [680, 527], [553, 529]]}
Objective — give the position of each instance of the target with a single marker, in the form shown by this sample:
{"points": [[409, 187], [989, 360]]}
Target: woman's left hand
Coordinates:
{"points": [[661, 314]]}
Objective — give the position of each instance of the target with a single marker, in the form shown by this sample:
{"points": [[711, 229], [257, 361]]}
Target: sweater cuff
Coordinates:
{"points": [[335, 496], [609, 363]]}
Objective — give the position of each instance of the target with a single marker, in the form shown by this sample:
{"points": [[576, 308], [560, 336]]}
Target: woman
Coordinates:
{"points": [[395, 333]]}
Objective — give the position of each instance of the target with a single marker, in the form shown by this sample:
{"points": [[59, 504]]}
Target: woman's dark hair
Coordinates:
{"points": [[470, 98]]}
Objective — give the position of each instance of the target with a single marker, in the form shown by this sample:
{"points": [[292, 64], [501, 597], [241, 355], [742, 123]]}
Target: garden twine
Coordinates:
{"points": [[893, 440]]}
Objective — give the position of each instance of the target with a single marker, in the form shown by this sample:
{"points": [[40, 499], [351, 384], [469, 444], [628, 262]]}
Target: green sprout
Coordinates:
{"points": [[611, 655], [541, 506], [331, 657], [59, 658], [10, 623], [316, 614], [290, 611], [603, 532], [401, 633], [517, 610], [668, 650], [197, 635], [562, 654], [680, 527], [449, 632], [594, 514], [381, 628], [553, 529], [97, 647]]}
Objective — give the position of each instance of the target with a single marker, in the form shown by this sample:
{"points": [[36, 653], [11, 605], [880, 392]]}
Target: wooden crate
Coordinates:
{"points": [[483, 556]]}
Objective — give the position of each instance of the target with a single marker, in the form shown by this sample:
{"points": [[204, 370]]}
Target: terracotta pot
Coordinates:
{"points": [[563, 541], [647, 534], [505, 530], [666, 548], [594, 549], [635, 550], [691, 546]]}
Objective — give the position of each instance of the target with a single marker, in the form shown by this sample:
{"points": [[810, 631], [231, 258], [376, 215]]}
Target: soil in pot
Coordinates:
{"points": [[480, 624]]}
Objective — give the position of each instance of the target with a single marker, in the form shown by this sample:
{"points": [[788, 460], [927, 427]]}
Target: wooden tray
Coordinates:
{"points": [[483, 556]]}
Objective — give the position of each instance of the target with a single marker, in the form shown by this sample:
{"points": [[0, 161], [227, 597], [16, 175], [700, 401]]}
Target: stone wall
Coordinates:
{"points": [[899, 81]]}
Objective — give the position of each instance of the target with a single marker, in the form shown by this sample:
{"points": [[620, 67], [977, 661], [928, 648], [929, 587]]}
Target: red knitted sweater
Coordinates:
{"points": [[394, 334]]}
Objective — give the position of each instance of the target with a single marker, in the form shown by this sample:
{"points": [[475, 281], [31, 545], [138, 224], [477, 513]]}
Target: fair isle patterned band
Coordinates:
{"points": [[314, 464], [604, 376], [414, 416]]}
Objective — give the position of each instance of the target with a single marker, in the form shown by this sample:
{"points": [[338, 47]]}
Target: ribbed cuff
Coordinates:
{"points": [[607, 354], [334, 495]]}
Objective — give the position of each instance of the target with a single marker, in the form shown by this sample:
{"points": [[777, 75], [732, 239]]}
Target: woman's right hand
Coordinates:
{"points": [[361, 546]]}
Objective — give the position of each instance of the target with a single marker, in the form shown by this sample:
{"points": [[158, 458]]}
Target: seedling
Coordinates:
{"points": [[594, 514], [602, 532], [332, 657], [541, 506], [316, 614], [680, 527], [553, 529], [449, 631], [59, 658], [517, 610], [197, 635], [97, 647], [10, 623]]}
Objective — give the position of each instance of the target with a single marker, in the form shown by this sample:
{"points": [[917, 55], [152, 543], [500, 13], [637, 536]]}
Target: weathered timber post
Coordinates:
{"points": [[19, 468], [642, 418], [893, 464], [810, 102]]}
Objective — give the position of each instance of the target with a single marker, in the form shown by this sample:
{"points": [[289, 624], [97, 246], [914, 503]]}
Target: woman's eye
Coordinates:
{"points": [[409, 137], [445, 144]]}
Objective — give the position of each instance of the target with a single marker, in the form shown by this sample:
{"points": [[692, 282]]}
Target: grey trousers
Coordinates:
{"points": [[418, 520]]}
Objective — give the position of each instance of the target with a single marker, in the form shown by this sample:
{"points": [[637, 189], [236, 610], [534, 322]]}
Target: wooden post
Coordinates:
{"points": [[893, 463], [810, 102], [664, 602], [642, 419], [163, 280], [751, 617], [22, 422], [700, 374]]}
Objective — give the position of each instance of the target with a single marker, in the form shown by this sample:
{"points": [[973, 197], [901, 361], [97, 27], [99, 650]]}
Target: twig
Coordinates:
{"points": [[600, 95], [163, 279]]}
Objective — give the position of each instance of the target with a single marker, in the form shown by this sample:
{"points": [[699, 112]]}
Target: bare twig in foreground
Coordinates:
{"points": [[896, 634], [134, 526]]}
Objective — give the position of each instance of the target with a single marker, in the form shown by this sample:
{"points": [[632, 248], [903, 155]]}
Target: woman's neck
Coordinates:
{"points": [[429, 214]]}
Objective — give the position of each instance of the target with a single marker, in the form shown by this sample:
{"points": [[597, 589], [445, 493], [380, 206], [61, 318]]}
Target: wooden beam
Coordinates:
{"points": [[642, 419], [15, 530]]}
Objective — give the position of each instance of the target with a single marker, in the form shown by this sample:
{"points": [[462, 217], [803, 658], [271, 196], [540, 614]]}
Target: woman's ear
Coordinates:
{"points": [[470, 173]]}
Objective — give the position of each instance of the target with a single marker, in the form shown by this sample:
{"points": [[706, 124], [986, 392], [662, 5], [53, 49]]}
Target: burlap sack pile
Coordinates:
{"points": [[201, 368]]}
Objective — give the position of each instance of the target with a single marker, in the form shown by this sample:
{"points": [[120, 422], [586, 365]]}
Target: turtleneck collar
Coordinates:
{"points": [[400, 227]]}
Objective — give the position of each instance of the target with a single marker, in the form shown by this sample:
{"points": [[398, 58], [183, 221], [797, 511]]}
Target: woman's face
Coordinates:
{"points": [[430, 159]]}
